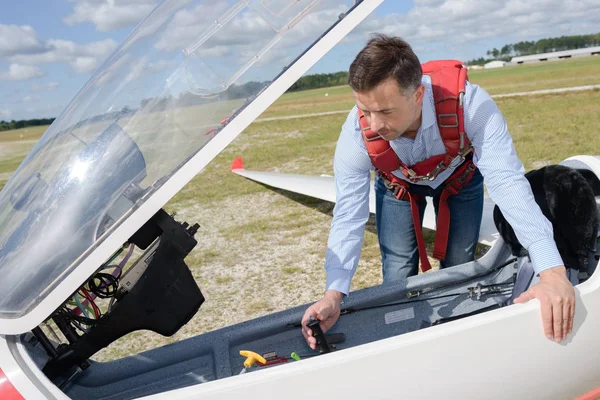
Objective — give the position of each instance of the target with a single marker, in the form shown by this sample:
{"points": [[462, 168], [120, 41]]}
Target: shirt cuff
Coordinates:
{"points": [[338, 279], [544, 255]]}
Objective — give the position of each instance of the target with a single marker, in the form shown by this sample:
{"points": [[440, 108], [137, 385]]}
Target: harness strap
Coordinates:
{"points": [[399, 189], [414, 209], [456, 182]]}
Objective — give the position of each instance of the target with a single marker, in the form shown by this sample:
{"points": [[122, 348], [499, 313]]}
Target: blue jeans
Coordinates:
{"points": [[397, 241]]}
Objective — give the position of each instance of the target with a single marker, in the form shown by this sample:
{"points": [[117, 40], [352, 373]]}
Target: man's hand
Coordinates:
{"points": [[326, 310], [557, 300]]}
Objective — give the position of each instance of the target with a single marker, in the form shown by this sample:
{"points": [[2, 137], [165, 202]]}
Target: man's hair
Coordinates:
{"points": [[382, 58]]}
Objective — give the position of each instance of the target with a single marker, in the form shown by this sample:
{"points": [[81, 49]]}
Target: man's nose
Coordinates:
{"points": [[376, 123]]}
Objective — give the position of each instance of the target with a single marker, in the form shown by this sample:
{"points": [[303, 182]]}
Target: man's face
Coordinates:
{"points": [[391, 111]]}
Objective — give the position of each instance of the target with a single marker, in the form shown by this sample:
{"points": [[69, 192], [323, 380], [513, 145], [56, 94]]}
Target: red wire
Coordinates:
{"points": [[94, 306]]}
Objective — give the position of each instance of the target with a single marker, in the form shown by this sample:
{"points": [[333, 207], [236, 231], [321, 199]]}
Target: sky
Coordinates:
{"points": [[50, 49]]}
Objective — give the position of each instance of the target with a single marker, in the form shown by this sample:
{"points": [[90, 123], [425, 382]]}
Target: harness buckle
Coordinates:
{"points": [[460, 158], [457, 183], [370, 139], [436, 171], [456, 161], [432, 175], [398, 191], [451, 125]]}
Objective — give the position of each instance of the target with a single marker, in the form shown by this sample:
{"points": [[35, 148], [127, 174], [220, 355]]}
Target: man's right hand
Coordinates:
{"points": [[326, 310]]}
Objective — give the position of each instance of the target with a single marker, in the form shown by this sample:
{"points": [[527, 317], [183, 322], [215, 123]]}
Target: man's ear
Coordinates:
{"points": [[419, 95]]}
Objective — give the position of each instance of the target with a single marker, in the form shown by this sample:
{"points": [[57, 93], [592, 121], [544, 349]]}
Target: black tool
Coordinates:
{"points": [[318, 334]]}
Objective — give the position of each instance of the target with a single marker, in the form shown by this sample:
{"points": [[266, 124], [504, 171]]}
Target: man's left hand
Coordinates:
{"points": [[557, 301]]}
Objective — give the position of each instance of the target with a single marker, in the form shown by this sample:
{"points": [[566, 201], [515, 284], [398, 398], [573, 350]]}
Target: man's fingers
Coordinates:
{"points": [[525, 296], [566, 314], [306, 331], [557, 316], [571, 317], [546, 307]]}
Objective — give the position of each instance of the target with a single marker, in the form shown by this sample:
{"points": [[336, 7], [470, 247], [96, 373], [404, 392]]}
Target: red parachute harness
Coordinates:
{"points": [[448, 80]]}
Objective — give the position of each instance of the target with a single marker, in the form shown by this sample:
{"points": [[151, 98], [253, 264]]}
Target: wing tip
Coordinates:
{"points": [[237, 164]]}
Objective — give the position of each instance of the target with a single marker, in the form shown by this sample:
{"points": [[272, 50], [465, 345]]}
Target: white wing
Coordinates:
{"points": [[323, 187]]}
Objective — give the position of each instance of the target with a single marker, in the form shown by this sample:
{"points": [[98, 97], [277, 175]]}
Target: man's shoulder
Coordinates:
{"points": [[352, 117], [351, 128], [350, 143], [476, 96]]}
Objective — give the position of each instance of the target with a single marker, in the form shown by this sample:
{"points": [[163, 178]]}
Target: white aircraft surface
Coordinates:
{"points": [[148, 121], [322, 187]]}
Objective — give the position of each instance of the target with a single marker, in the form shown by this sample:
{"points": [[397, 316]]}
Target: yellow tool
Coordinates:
{"points": [[251, 359]]}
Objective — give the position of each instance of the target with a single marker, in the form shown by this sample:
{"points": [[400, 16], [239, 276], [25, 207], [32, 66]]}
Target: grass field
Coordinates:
{"points": [[261, 251]]}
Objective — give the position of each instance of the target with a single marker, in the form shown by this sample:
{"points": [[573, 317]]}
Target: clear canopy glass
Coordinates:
{"points": [[180, 76]]}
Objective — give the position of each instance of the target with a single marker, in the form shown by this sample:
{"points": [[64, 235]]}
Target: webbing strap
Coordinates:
{"points": [[455, 184], [399, 189], [448, 82], [414, 209]]}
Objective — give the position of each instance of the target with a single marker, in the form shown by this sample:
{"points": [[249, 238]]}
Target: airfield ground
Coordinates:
{"points": [[261, 251]]}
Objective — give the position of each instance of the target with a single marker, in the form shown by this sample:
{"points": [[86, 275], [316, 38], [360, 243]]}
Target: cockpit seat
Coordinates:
{"points": [[567, 197]]}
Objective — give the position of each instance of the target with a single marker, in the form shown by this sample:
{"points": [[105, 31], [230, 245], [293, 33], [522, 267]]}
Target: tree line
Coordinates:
{"points": [[548, 45], [245, 91], [317, 81], [7, 126]]}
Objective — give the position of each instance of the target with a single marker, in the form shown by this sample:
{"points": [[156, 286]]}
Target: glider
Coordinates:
{"points": [[148, 121]]}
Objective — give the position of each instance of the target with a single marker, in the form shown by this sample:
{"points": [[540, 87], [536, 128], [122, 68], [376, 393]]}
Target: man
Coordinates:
{"points": [[396, 100]]}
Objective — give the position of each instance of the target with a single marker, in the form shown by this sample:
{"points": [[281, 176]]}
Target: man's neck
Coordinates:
{"points": [[412, 130]]}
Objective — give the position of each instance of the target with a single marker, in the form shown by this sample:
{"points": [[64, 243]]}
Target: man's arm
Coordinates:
{"points": [[352, 183], [503, 172]]}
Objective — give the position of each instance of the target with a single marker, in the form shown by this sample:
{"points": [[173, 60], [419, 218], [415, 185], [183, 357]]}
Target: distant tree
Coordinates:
{"points": [[546, 45], [7, 126], [317, 81]]}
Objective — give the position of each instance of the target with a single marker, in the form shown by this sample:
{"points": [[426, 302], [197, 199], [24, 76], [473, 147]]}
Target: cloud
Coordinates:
{"points": [[16, 39], [18, 72], [84, 65], [5, 114], [84, 58], [187, 26], [44, 87], [461, 22], [29, 99], [243, 36], [108, 15]]}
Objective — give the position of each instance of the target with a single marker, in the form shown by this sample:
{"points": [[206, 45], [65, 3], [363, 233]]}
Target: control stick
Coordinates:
{"points": [[318, 334]]}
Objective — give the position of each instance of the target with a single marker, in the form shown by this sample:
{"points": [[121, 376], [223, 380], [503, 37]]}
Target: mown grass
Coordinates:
{"points": [[539, 76], [553, 127], [29, 133], [544, 128]]}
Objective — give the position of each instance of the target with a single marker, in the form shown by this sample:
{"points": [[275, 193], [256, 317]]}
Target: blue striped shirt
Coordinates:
{"points": [[495, 156]]}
